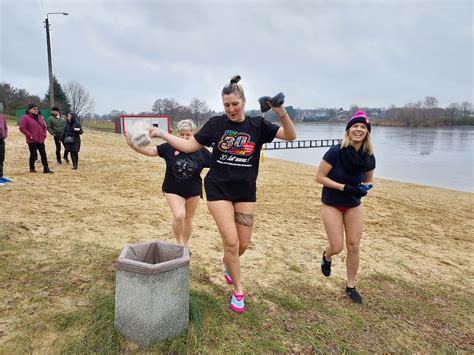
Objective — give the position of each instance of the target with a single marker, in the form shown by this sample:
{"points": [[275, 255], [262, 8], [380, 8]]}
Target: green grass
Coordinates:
{"points": [[291, 316], [99, 125]]}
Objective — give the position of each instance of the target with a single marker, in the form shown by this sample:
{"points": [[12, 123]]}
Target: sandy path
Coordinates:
{"points": [[418, 233]]}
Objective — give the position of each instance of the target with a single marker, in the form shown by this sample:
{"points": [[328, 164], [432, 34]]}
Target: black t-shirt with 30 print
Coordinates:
{"points": [[235, 156]]}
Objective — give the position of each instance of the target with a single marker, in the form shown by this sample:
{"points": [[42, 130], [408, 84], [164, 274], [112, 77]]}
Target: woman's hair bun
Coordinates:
{"points": [[235, 79]]}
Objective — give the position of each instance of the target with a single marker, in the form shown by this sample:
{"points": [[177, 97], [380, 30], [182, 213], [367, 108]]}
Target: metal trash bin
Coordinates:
{"points": [[152, 291]]}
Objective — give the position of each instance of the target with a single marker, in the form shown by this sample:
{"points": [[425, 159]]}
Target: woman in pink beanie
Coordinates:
{"points": [[346, 172]]}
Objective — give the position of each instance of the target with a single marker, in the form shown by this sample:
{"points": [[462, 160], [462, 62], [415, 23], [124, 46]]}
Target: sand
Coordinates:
{"points": [[417, 233]]}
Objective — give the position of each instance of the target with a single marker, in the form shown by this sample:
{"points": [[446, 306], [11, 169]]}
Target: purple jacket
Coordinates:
{"points": [[3, 127], [33, 128]]}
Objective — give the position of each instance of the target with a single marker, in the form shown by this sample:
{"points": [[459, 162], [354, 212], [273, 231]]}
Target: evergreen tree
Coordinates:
{"points": [[60, 97]]}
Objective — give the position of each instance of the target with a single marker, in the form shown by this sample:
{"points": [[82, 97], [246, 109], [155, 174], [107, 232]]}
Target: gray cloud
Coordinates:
{"points": [[329, 54]]}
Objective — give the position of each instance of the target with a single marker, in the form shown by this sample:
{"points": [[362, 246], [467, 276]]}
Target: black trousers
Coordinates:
{"points": [[34, 149], [66, 152], [57, 141], [74, 158], [2, 155]]}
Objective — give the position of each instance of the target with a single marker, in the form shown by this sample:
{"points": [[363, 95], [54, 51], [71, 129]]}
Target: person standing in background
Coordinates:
{"points": [[32, 125], [3, 136], [72, 138], [55, 127]]}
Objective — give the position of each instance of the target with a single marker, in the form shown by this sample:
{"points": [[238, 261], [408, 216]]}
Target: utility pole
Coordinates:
{"points": [[50, 64], [50, 60]]}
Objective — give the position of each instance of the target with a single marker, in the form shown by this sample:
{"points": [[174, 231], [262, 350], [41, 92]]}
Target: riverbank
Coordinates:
{"points": [[62, 233]]}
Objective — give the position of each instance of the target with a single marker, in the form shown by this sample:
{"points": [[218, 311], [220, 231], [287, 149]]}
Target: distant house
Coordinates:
{"points": [[314, 116], [342, 115]]}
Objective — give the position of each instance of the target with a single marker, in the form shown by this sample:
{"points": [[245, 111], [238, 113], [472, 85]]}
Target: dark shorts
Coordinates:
{"points": [[183, 195], [231, 191]]}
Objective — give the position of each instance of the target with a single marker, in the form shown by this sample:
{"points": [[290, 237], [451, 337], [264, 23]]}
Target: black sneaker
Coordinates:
{"points": [[353, 294], [325, 266], [47, 171], [32, 170]]}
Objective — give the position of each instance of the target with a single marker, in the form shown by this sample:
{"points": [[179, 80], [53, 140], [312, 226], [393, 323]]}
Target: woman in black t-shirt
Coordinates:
{"points": [[231, 182], [346, 172], [182, 185]]}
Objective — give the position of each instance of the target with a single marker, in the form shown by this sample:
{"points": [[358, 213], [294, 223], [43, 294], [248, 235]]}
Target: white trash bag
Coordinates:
{"points": [[140, 134]]}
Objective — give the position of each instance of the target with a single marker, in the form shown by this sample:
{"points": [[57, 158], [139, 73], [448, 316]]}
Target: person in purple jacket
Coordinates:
{"points": [[3, 136], [32, 125]]}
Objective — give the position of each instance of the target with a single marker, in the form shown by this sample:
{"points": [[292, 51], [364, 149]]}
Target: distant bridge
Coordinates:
{"points": [[311, 143]]}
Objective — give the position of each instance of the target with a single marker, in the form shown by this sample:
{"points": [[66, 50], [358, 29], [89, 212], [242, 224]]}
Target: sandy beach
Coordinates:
{"points": [[412, 232]]}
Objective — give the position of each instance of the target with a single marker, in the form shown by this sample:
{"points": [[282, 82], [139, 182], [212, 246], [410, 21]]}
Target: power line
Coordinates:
{"points": [[41, 2], [38, 12]]}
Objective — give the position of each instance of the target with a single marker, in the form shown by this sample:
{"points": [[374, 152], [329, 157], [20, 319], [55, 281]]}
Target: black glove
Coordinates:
{"points": [[276, 101], [355, 191]]}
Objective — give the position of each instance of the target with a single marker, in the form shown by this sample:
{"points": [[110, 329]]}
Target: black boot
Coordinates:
{"points": [[32, 170], [47, 171]]}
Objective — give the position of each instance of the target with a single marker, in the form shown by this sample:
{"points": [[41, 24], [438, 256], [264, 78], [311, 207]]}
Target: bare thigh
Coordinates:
{"points": [[223, 213], [191, 205], [353, 224], [177, 205], [334, 226], [244, 221]]}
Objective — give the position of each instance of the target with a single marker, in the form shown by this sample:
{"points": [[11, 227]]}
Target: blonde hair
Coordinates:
{"points": [[366, 144], [186, 125], [233, 87]]}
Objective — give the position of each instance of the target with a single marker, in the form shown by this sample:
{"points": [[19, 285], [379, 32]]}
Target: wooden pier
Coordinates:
{"points": [[311, 143]]}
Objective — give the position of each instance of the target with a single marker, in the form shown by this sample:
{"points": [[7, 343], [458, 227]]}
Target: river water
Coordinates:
{"points": [[441, 157]]}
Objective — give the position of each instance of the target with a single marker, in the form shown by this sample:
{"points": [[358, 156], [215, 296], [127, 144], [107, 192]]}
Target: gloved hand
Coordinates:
{"points": [[365, 187], [276, 101], [355, 191]]}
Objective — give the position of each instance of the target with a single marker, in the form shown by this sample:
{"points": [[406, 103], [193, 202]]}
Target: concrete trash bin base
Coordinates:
{"points": [[152, 291]]}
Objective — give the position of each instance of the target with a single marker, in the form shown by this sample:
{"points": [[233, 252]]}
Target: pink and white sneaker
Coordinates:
{"points": [[227, 277], [237, 303]]}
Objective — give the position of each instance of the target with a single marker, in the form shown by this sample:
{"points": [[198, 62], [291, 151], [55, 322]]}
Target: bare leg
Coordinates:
{"points": [[244, 218], [178, 209], [353, 225], [191, 205], [333, 224], [224, 215]]}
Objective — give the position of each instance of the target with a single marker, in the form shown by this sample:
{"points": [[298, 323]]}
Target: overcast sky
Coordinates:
{"points": [[128, 53]]}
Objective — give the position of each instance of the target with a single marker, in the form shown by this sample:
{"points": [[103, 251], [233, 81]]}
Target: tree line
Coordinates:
{"points": [[73, 98], [427, 114]]}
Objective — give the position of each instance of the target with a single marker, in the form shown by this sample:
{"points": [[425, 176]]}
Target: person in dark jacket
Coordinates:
{"points": [[72, 138], [32, 125], [55, 127], [3, 136]]}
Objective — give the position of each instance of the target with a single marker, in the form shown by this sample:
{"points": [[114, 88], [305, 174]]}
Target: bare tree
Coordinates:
{"points": [[466, 109], [81, 102], [199, 110], [431, 102]]}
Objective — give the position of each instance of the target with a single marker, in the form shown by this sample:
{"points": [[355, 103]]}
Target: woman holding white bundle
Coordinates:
{"points": [[182, 185], [230, 185]]}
